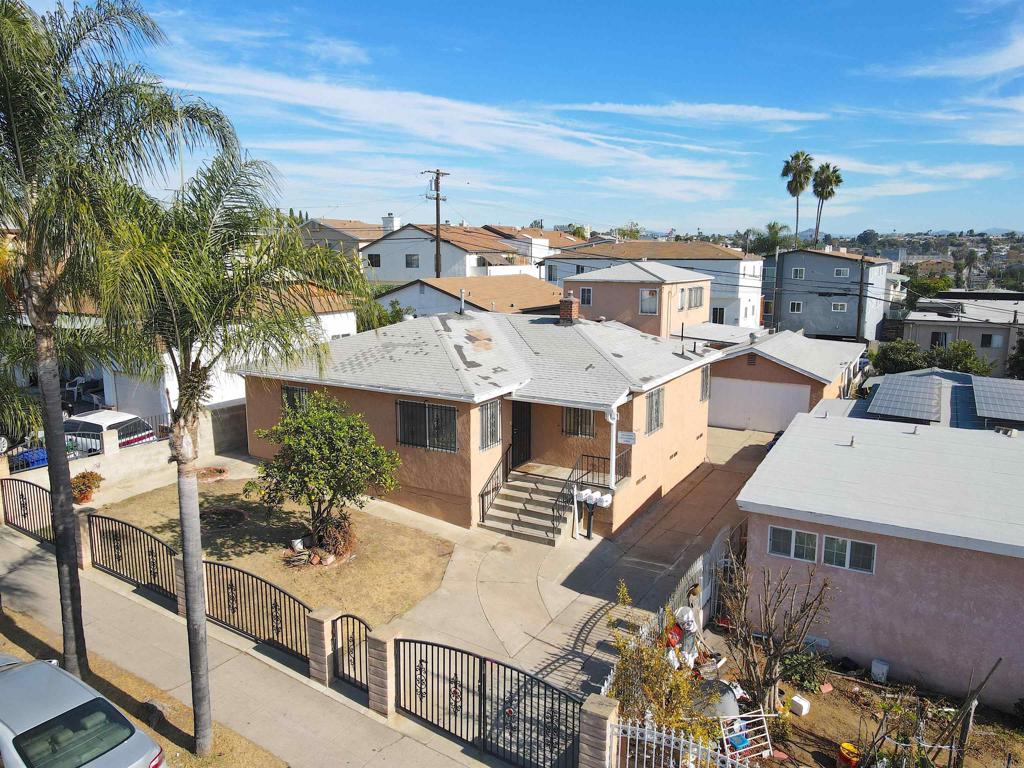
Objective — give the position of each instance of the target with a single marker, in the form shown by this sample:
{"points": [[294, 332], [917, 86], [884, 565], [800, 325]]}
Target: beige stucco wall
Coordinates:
{"points": [[621, 302], [766, 370], [435, 483], [921, 334], [937, 614]]}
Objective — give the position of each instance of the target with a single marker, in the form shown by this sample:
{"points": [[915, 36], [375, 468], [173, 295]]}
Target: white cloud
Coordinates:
{"points": [[706, 112], [959, 170], [334, 50], [893, 188], [1005, 59]]}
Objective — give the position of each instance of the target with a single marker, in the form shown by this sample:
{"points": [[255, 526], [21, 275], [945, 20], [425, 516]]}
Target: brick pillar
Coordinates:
{"points": [[84, 543], [320, 642], [109, 442], [381, 672], [179, 583], [599, 742]]}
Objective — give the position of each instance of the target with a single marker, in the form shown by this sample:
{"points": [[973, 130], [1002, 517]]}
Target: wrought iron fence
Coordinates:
{"points": [[652, 746], [132, 554], [254, 607], [497, 707], [494, 483], [27, 508], [348, 639], [145, 429]]}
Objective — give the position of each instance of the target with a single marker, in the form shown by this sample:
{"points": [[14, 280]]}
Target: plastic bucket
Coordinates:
{"points": [[848, 757]]}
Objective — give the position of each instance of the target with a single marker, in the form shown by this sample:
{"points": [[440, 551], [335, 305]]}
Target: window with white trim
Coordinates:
{"points": [[787, 542], [648, 301], [655, 402], [578, 422], [426, 425], [490, 424], [551, 273], [696, 297], [848, 553], [292, 397], [796, 307], [586, 297], [705, 383], [841, 272], [682, 298], [838, 306], [798, 273]]}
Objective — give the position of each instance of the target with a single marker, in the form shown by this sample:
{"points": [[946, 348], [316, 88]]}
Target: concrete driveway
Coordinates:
{"points": [[546, 610]]}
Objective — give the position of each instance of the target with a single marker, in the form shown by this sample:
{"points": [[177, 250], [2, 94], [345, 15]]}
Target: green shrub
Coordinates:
{"points": [[807, 671], [83, 484]]}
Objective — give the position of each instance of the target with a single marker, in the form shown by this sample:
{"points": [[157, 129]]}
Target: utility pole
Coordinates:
{"points": [[437, 197], [860, 303]]}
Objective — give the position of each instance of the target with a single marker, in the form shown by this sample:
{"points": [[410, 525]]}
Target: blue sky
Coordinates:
{"points": [[673, 114]]}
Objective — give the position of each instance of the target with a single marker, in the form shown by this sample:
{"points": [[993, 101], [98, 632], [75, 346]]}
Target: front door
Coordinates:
{"points": [[520, 433]]}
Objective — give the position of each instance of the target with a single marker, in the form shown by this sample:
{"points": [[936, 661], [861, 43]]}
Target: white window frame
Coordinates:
{"points": [[841, 272], [844, 306], [696, 297], [799, 307], [682, 298], [654, 403], [848, 553], [485, 417], [794, 274], [551, 273], [792, 543], [641, 308], [705, 383], [586, 297]]}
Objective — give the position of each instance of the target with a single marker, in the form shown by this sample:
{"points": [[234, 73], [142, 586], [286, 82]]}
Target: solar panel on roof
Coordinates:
{"points": [[999, 398], [907, 397]]}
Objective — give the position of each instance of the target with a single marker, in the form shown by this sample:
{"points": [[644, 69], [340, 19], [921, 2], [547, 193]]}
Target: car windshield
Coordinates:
{"points": [[74, 738], [78, 426]]}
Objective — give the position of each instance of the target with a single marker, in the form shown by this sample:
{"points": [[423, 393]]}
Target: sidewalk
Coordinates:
{"points": [[277, 708]]}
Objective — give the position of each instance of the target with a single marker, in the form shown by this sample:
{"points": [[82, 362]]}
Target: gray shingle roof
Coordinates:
{"points": [[479, 355], [640, 272], [821, 359]]}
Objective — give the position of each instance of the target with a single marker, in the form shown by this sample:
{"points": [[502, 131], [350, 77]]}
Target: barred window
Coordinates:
{"points": [[655, 410], [490, 424], [578, 422], [412, 261], [705, 383], [293, 398], [426, 425]]}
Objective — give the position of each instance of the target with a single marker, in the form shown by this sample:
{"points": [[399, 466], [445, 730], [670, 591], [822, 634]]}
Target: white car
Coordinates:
{"points": [[51, 719], [83, 431]]}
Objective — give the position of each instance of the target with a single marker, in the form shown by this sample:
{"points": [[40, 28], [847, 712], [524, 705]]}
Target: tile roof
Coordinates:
{"points": [[555, 237], [656, 249], [475, 240], [958, 488], [821, 359], [498, 293], [640, 272], [479, 355]]}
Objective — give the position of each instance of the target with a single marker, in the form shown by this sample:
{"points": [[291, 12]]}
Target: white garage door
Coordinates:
{"points": [[761, 405]]}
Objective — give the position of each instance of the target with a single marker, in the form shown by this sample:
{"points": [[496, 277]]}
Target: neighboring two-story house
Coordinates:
{"points": [[992, 326], [650, 296], [494, 293], [820, 293], [345, 235], [408, 253], [736, 289], [536, 243]]}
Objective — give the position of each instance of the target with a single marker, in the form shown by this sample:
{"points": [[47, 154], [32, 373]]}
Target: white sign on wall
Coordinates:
{"points": [[627, 438]]}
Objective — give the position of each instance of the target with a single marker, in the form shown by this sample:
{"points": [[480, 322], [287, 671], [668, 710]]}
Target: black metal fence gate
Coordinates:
{"points": [[135, 555], [27, 508], [348, 636], [254, 607], [499, 708]]}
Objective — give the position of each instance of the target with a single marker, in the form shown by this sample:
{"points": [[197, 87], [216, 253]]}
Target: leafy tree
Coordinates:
{"points": [[578, 231], [798, 169], [899, 356], [328, 461], [629, 231], [868, 238], [76, 118], [1015, 360], [925, 287], [959, 355], [827, 180], [370, 314], [215, 278], [774, 236]]}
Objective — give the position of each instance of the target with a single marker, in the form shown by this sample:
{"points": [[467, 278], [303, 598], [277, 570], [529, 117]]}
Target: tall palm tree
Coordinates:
{"points": [[74, 116], [827, 180], [798, 169], [217, 278], [970, 263]]}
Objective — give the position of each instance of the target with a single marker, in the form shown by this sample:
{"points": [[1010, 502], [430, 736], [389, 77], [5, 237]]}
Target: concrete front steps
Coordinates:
{"points": [[523, 509]]}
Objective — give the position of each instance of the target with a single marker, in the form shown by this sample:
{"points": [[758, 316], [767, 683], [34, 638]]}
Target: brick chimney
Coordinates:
{"points": [[568, 310]]}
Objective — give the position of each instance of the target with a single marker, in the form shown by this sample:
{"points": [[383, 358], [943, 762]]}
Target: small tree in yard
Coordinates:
{"points": [[898, 356], [959, 355], [1015, 360], [770, 623], [327, 461]]}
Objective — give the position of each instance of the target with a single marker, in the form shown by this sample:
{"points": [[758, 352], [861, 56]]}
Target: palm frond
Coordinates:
{"points": [[108, 30]]}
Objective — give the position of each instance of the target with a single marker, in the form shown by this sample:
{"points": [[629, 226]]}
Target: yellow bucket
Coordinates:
{"points": [[849, 756]]}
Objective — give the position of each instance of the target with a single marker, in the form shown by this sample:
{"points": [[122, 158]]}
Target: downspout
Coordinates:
{"points": [[613, 433]]}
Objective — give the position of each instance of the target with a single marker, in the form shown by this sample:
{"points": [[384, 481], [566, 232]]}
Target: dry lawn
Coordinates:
{"points": [[25, 638], [393, 568]]}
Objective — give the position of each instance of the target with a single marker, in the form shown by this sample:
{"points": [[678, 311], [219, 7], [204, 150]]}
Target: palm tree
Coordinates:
{"points": [[218, 278], [827, 180], [798, 170], [970, 262], [770, 239], [75, 116]]}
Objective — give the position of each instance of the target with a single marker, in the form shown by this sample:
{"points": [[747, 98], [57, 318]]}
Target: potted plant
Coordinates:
{"points": [[83, 485]]}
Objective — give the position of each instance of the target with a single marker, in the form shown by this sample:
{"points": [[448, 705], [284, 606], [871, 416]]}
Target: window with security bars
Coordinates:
{"points": [[426, 425], [705, 383], [490, 424], [655, 410], [293, 398], [578, 422]]}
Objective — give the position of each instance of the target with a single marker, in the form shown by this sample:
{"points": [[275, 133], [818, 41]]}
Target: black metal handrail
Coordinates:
{"points": [[495, 481], [594, 470], [623, 464]]}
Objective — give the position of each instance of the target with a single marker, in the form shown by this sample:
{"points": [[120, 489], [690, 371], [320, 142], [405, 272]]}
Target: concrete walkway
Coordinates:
{"points": [[547, 609], [258, 696]]}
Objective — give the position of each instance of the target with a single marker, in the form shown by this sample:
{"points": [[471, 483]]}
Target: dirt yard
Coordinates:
{"points": [[25, 638], [393, 567]]}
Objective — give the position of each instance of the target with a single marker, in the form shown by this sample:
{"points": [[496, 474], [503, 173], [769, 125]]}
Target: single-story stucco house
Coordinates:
{"points": [[920, 529], [468, 399]]}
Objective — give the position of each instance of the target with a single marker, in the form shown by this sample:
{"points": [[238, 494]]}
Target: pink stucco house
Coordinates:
{"points": [[920, 529]]}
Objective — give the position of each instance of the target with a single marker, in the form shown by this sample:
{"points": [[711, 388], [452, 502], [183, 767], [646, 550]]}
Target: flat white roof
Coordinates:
{"points": [[956, 487]]}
